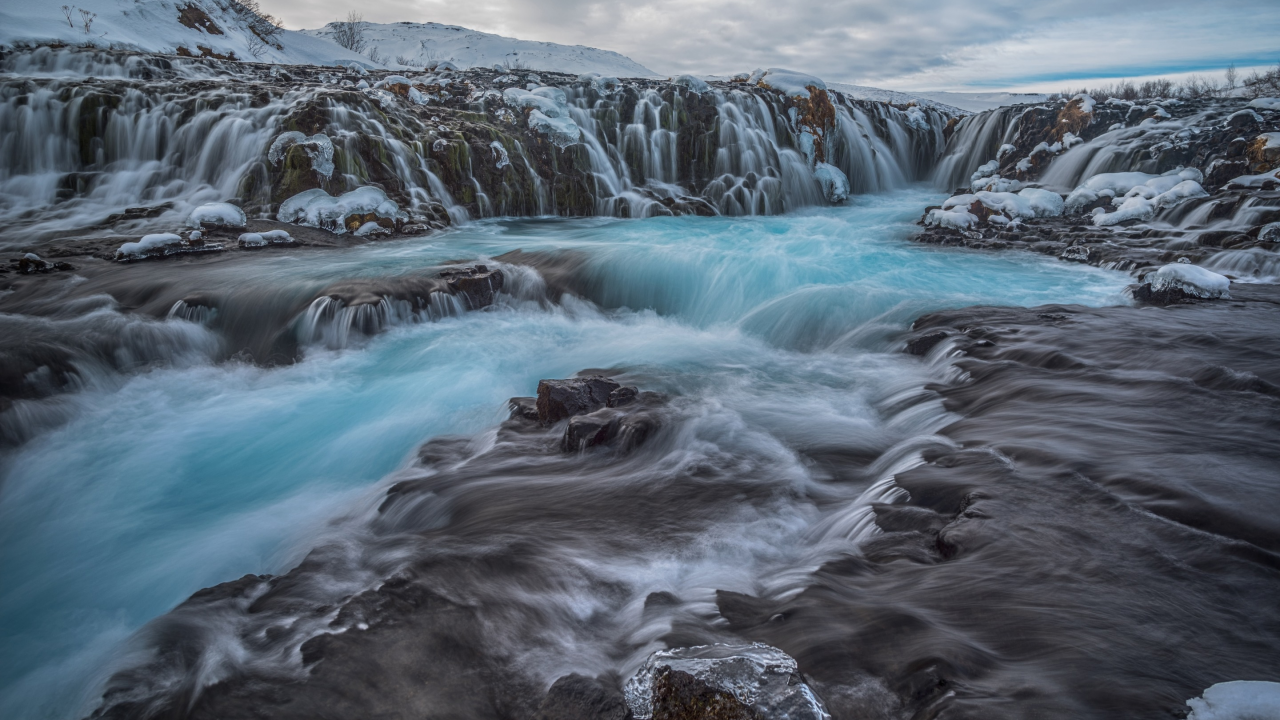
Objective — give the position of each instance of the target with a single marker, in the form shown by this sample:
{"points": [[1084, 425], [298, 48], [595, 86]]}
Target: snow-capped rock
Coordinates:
{"points": [[217, 214]]}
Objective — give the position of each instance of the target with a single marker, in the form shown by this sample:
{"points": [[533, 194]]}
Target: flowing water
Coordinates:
{"points": [[773, 337]]}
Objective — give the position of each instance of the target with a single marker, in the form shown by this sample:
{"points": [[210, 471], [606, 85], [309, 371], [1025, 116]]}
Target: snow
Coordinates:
{"points": [[433, 44], [1265, 103], [1028, 203], [217, 214], [1113, 184], [548, 113], [1259, 181], [916, 118], [991, 167], [1141, 204], [317, 208], [153, 26], [1270, 140], [957, 219], [367, 229], [1005, 150], [1086, 103], [263, 239], [1246, 113], [1191, 279], [835, 186], [601, 83], [1237, 700], [789, 82], [318, 147], [147, 244]]}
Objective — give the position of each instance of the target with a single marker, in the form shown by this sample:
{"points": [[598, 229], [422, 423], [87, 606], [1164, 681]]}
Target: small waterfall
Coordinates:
{"points": [[333, 323], [976, 140]]}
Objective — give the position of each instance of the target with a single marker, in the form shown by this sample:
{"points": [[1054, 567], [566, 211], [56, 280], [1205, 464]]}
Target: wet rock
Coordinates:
{"points": [[722, 682], [1075, 253], [577, 697], [523, 407], [32, 264], [1143, 293], [478, 285], [923, 344], [560, 399]]}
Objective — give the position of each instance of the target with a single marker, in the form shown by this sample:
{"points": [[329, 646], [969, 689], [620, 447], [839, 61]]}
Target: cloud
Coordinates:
{"points": [[910, 44]]}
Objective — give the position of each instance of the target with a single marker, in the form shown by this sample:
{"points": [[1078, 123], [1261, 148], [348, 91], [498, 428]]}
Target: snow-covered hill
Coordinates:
{"points": [[197, 27], [419, 44], [977, 102]]}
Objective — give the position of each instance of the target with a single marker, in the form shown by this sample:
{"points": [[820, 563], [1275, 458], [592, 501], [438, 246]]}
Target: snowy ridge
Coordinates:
{"points": [[157, 26], [421, 44], [862, 92]]}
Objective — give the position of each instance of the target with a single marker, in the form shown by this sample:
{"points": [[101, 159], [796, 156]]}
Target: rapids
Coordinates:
{"points": [[776, 337]]}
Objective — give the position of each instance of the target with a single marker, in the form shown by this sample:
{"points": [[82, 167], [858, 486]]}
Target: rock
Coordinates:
{"points": [[722, 682], [577, 697], [589, 430], [1145, 294], [1075, 253], [523, 407], [923, 344], [477, 285], [560, 399]]}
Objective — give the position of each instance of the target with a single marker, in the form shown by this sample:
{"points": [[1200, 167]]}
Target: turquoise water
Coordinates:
{"points": [[180, 478]]}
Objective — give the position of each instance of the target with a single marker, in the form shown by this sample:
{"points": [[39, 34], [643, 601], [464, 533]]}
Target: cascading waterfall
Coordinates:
{"points": [[976, 140], [86, 134]]}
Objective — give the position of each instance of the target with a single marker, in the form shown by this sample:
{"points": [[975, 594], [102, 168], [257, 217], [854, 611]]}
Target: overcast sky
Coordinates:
{"points": [[900, 44]]}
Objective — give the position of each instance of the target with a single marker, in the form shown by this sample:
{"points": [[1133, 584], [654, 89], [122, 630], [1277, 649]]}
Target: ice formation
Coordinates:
{"points": [[788, 82], [1191, 279], [147, 244], [1027, 203], [263, 239], [318, 147], [835, 186], [1237, 700], [692, 83], [1144, 201], [548, 113], [217, 214], [317, 208], [1265, 103]]}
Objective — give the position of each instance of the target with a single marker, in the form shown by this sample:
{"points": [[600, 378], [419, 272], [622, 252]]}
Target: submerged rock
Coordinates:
{"points": [[722, 682], [577, 697], [560, 399]]}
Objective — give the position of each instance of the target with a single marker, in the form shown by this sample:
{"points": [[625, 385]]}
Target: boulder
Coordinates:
{"points": [[577, 697], [560, 399], [722, 682], [477, 285]]}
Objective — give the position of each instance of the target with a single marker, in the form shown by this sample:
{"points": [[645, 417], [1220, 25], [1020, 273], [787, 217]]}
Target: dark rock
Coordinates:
{"points": [[523, 407], [923, 344], [560, 399], [589, 430], [622, 396], [1144, 294], [577, 697], [477, 285], [680, 696]]}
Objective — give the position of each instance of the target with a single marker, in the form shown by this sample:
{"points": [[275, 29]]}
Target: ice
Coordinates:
{"points": [[789, 82], [263, 239], [692, 83], [500, 153], [367, 229], [1237, 700], [1113, 184], [217, 214], [757, 675], [1259, 181], [1265, 103], [147, 244], [956, 219], [318, 147], [1142, 204], [986, 170], [1005, 150], [317, 208], [601, 83], [995, 183], [1191, 279], [916, 118], [835, 186], [358, 69]]}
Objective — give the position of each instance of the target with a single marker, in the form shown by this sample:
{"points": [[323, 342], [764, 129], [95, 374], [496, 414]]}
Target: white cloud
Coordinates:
{"points": [[909, 44]]}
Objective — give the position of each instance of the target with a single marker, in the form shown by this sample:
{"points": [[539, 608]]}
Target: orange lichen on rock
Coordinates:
{"points": [[1263, 156], [818, 115], [197, 19], [1072, 118]]}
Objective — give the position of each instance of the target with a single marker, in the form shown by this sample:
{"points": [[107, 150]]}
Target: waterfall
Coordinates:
{"points": [[976, 140], [88, 134]]}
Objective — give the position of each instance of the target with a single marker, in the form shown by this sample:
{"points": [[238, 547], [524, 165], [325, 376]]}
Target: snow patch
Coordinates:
{"points": [[1191, 279], [789, 82], [1113, 184], [1265, 103], [1141, 204], [224, 214]]}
